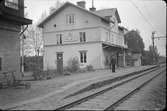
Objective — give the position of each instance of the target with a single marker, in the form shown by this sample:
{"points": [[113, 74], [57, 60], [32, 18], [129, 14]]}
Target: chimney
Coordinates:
{"points": [[92, 9], [81, 4]]}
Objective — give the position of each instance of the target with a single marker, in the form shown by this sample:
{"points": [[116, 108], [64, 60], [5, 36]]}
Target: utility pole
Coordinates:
{"points": [[153, 38], [153, 33]]}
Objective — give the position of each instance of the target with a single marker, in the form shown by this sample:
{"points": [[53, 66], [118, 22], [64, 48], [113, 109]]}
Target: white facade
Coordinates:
{"points": [[97, 32], [94, 56]]}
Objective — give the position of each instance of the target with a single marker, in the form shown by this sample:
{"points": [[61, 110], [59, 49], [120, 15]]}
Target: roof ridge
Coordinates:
{"points": [[106, 9], [66, 3]]}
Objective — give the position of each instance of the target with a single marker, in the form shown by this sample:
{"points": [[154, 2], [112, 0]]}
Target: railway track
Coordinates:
{"points": [[116, 85], [124, 98]]}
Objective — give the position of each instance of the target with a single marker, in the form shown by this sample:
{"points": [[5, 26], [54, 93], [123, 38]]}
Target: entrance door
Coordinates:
{"points": [[60, 62]]}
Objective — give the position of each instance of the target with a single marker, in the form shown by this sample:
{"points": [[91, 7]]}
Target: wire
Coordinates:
{"points": [[142, 14], [147, 11]]}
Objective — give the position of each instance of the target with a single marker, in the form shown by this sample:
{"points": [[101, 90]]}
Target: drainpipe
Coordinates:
{"points": [[22, 49]]}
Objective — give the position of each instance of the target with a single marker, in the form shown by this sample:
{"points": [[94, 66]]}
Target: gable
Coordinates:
{"points": [[63, 7], [82, 20]]}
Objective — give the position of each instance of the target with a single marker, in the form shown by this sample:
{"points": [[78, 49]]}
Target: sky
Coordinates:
{"points": [[145, 15]]}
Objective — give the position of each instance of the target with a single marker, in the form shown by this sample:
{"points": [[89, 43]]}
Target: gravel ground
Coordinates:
{"points": [[55, 100], [40, 88], [151, 97]]}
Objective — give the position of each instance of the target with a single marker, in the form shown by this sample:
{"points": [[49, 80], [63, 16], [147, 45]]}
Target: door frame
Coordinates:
{"points": [[59, 68]]}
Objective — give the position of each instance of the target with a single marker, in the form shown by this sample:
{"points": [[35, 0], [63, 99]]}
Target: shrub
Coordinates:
{"points": [[89, 68], [50, 73], [42, 75], [67, 73], [37, 74], [73, 65], [82, 70]]}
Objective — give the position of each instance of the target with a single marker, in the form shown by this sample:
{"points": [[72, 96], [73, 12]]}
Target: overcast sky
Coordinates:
{"points": [[144, 15]]}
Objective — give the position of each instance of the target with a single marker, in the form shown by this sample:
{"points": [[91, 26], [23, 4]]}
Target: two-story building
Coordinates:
{"points": [[89, 35], [11, 20]]}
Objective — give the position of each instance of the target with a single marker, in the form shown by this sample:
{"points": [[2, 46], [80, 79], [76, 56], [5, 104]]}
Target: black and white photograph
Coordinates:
{"points": [[83, 55]]}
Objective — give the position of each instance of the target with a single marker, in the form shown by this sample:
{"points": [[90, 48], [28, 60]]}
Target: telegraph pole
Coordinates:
{"points": [[153, 38], [153, 33]]}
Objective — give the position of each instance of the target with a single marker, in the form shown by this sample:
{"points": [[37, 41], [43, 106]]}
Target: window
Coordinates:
{"points": [[59, 38], [0, 63], [82, 36], [12, 4], [83, 56], [107, 36], [70, 19]]}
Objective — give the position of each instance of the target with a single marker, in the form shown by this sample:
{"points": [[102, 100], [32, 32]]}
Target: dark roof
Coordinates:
{"points": [[96, 13], [15, 19]]}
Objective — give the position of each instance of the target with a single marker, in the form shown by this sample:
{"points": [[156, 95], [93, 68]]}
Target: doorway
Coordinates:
{"points": [[60, 62]]}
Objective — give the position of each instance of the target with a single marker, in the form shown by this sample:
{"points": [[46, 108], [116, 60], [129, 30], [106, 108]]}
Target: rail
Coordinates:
{"points": [[124, 98], [84, 99]]}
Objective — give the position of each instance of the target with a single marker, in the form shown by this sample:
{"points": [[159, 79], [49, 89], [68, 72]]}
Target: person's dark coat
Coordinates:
{"points": [[113, 62]]}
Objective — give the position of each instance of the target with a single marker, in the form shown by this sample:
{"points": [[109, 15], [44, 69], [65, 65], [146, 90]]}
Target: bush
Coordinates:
{"points": [[89, 68], [50, 74], [73, 65], [82, 70], [37, 75], [67, 73]]}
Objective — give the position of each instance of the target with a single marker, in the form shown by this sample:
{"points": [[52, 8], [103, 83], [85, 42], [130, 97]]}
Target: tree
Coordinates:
{"points": [[43, 16], [33, 44], [57, 5], [134, 41]]}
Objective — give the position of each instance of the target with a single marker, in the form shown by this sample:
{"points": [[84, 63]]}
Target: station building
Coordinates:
{"points": [[92, 36]]}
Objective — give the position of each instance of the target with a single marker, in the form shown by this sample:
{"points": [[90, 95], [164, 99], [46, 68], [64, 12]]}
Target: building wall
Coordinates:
{"points": [[106, 56], [94, 27], [72, 36], [96, 31], [70, 51], [111, 37], [82, 20], [10, 47]]}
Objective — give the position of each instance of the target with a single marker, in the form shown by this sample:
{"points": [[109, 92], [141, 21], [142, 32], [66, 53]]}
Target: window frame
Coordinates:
{"points": [[70, 19], [83, 57], [82, 36], [59, 39]]}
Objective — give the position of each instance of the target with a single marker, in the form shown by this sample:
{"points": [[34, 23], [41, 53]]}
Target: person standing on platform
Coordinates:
{"points": [[110, 62], [113, 62]]}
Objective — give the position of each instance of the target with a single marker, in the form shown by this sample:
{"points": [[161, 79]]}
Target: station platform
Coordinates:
{"points": [[43, 94]]}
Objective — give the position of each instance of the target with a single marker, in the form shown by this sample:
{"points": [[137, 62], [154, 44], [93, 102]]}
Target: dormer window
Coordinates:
{"points": [[14, 4], [70, 18]]}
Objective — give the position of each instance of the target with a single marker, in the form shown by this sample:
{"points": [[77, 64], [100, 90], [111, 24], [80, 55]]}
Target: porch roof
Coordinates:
{"points": [[107, 44]]}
